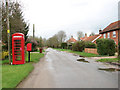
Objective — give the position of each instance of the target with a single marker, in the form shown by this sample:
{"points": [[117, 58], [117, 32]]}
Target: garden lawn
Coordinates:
{"points": [[109, 60], [12, 75], [80, 53]]}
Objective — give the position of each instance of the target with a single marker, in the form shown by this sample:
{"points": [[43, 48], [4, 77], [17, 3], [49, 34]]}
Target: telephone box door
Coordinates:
{"points": [[18, 48]]}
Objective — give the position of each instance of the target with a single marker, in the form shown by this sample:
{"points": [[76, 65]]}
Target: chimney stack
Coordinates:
{"points": [[100, 30], [85, 35]]}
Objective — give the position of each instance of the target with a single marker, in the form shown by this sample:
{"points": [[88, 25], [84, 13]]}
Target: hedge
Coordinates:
{"points": [[106, 47], [64, 45], [89, 44], [78, 46]]}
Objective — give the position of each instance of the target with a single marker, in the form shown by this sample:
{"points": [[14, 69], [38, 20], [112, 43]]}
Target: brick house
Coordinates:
{"points": [[71, 40], [91, 38], [111, 31]]}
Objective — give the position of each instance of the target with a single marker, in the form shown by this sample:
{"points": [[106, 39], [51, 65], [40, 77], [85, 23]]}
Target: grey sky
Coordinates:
{"points": [[50, 16]]}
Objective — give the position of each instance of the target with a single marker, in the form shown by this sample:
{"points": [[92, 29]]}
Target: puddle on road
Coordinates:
{"points": [[82, 60], [109, 69]]}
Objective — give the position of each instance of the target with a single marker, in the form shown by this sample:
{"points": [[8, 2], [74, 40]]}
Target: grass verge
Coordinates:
{"points": [[109, 60], [12, 75], [80, 53]]}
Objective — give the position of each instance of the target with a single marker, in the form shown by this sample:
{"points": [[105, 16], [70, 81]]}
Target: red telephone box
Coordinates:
{"points": [[18, 53]]}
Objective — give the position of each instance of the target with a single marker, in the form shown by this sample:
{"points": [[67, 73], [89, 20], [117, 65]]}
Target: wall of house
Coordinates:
{"points": [[111, 36]]}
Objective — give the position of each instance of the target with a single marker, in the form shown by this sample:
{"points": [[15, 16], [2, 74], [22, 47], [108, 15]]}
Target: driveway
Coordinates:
{"points": [[62, 70]]}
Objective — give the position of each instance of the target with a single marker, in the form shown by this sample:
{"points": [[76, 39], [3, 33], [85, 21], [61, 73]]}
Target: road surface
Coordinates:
{"points": [[62, 70]]}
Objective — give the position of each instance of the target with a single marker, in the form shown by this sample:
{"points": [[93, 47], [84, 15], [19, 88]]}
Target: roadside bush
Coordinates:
{"points": [[4, 47], [106, 47], [4, 54], [69, 47], [64, 45], [78, 46], [89, 44], [119, 50], [34, 45]]}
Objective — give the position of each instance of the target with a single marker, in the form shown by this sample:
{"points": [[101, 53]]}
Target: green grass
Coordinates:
{"points": [[109, 60], [34, 57], [80, 53], [6, 61], [13, 74]]}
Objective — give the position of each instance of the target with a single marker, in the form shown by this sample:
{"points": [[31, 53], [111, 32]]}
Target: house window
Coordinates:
{"points": [[104, 35], [114, 33], [108, 35]]}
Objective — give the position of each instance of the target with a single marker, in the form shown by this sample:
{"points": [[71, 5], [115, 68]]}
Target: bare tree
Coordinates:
{"points": [[53, 41], [92, 34], [79, 35], [61, 36]]}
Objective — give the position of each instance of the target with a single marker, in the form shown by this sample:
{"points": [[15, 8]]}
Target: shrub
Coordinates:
{"points": [[34, 45], [89, 44], [64, 45], [106, 47], [69, 47], [4, 54], [4, 47], [119, 50], [78, 46]]}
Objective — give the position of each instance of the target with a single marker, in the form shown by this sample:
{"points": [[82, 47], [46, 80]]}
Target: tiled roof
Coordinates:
{"points": [[90, 38], [72, 40], [83, 38], [112, 26]]}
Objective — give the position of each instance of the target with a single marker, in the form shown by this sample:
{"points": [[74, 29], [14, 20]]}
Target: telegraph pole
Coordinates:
{"points": [[8, 30], [33, 31]]}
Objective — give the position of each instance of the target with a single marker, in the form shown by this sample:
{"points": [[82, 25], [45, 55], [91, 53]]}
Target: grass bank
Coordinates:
{"points": [[12, 75], [79, 53]]}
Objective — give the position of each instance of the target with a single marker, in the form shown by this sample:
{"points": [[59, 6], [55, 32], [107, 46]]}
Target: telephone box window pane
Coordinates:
{"points": [[17, 49], [18, 58], [17, 36], [17, 41]]}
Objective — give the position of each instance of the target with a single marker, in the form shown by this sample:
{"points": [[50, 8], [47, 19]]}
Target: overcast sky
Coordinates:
{"points": [[51, 16]]}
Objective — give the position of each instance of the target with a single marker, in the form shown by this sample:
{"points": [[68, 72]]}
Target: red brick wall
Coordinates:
{"points": [[91, 50], [111, 36]]}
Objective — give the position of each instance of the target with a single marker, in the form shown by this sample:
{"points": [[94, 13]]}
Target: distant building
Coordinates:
{"points": [[91, 38], [71, 40], [111, 31]]}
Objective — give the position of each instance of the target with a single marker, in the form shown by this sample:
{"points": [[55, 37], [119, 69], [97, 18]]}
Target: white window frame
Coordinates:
{"points": [[104, 35], [108, 35], [114, 33]]}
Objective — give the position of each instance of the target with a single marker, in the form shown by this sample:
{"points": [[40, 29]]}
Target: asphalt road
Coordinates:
{"points": [[62, 70]]}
